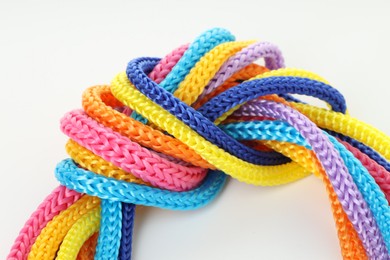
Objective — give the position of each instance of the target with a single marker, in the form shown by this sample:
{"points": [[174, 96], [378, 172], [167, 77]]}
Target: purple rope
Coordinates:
{"points": [[270, 52], [346, 190], [250, 108]]}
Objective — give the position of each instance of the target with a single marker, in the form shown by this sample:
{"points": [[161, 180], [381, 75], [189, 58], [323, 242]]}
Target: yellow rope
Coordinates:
{"points": [[125, 92], [85, 227], [50, 238]]}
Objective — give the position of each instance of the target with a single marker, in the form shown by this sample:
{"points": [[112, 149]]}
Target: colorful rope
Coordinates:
{"points": [[130, 156], [168, 132]]}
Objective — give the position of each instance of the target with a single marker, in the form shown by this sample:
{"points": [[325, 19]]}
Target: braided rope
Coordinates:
{"points": [[97, 103], [240, 76], [106, 188], [271, 54], [128, 155], [136, 75], [254, 131], [350, 244], [205, 69], [50, 238], [96, 164], [165, 66], [110, 230], [380, 174], [363, 148], [355, 129], [339, 123], [241, 170], [201, 46], [265, 130], [128, 211], [255, 88], [307, 160], [167, 130], [60, 199], [78, 234], [351, 183]]}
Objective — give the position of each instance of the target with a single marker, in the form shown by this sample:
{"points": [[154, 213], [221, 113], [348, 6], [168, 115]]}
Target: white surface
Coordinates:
{"points": [[52, 50]]}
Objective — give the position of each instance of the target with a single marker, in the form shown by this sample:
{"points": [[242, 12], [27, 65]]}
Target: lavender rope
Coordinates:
{"points": [[250, 108], [346, 190], [270, 52]]}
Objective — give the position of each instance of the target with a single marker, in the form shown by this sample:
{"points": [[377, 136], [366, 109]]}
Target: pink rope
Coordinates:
{"points": [[379, 173], [165, 65], [60, 199], [128, 155]]}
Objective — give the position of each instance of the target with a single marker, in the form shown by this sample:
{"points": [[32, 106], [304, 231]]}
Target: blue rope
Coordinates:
{"points": [[264, 130], [136, 73], [201, 45], [110, 230], [83, 181], [252, 89], [128, 214], [370, 190]]}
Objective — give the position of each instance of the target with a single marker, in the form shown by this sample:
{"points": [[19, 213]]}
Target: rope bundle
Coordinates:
{"points": [[168, 133]]}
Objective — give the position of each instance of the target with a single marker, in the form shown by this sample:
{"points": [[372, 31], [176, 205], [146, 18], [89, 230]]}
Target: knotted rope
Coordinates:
{"points": [[168, 132]]}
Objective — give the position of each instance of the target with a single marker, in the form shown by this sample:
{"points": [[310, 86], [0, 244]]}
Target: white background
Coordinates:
{"points": [[50, 51]]}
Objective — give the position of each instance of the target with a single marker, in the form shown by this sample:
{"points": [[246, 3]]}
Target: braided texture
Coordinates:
{"points": [[50, 238], [193, 84], [98, 102], [168, 133], [201, 46], [110, 230], [128, 155], [128, 212], [271, 54], [87, 182], [78, 234], [60, 199], [350, 244]]}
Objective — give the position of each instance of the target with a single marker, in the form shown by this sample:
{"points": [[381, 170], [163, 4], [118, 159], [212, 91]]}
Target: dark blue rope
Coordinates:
{"points": [[252, 89], [200, 120], [128, 212], [137, 73], [374, 155]]}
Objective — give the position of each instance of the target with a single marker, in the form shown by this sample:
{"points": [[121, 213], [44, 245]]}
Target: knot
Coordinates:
{"points": [[169, 132]]}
